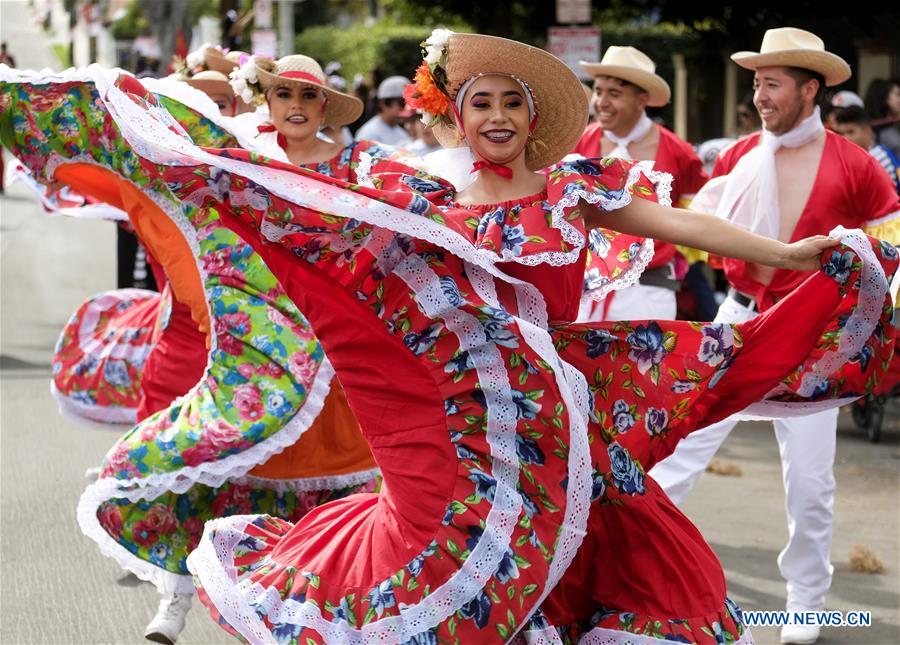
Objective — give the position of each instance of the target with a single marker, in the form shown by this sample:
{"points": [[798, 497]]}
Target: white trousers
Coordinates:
{"points": [[807, 447], [639, 302]]}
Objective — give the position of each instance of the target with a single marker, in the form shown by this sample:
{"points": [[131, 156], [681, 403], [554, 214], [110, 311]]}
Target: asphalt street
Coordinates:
{"points": [[56, 587]]}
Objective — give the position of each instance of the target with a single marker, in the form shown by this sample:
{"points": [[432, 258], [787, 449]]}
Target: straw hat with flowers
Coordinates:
{"points": [[452, 59], [210, 82], [218, 60], [258, 74], [207, 58]]}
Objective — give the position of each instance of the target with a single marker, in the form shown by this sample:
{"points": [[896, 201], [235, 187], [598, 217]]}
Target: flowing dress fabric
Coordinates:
{"points": [[266, 383], [652, 382], [62, 201], [476, 407], [179, 356], [98, 362], [126, 354], [686, 376]]}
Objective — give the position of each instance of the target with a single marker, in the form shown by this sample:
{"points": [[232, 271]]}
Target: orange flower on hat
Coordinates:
{"points": [[424, 94]]}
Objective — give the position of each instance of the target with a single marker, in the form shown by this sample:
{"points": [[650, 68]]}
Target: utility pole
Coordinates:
{"points": [[72, 8], [169, 19], [285, 27]]}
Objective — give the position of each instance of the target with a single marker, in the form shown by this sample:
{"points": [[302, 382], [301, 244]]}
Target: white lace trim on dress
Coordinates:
{"points": [[860, 325], [604, 636], [306, 484], [212, 474], [239, 604], [115, 418]]}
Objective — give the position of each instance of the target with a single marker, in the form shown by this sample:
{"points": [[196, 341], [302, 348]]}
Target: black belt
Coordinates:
{"points": [[660, 277], [741, 299]]}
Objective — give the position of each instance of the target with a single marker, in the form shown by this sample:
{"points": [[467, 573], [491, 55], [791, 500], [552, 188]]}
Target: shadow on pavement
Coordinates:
{"points": [[849, 590], [750, 562], [13, 363], [130, 580]]}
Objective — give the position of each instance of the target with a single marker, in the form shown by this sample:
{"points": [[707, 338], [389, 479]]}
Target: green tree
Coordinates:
{"points": [[383, 49], [526, 21]]}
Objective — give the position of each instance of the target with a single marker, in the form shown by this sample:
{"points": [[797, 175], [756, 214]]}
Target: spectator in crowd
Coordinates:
{"points": [[795, 178], [625, 84], [362, 90], [423, 139], [387, 126], [883, 106], [836, 102], [853, 123], [342, 136]]}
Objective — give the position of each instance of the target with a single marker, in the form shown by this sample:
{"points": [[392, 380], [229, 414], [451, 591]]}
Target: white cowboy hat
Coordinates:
{"points": [[634, 66], [791, 47]]}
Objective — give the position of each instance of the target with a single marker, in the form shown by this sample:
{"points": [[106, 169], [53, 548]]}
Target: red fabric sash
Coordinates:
{"points": [[268, 127], [498, 168]]}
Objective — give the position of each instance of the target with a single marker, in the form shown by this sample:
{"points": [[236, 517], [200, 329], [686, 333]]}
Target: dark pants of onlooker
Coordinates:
{"points": [[131, 259], [703, 305]]}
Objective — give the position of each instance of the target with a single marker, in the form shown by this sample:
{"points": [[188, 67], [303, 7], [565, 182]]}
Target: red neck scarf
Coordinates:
{"points": [[497, 168], [268, 127]]}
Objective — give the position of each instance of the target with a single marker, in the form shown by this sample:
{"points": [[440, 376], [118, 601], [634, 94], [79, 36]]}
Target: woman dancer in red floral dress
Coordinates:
{"points": [[512, 444]]}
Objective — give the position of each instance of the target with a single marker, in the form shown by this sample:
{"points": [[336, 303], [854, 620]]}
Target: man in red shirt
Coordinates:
{"points": [[791, 180], [625, 83]]}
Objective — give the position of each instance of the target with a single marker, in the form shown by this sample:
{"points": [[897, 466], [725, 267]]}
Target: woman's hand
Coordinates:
{"points": [[708, 233], [804, 255]]}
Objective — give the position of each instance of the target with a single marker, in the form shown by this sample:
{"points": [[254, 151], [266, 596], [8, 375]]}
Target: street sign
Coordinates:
{"points": [[262, 14], [573, 12], [264, 41], [572, 44]]}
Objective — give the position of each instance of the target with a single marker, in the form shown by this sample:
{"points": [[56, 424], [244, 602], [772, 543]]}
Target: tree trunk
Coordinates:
{"points": [[168, 17]]}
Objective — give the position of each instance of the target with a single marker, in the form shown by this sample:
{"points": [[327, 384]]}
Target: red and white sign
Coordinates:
{"points": [[572, 44], [265, 42]]}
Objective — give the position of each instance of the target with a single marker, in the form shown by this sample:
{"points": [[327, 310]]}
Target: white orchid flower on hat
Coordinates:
{"points": [[244, 81], [197, 58], [435, 45]]}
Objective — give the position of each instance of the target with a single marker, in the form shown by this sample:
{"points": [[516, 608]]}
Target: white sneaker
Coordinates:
{"points": [[800, 634], [169, 620]]}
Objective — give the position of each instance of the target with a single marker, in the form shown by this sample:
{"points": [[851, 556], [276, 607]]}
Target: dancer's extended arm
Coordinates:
{"points": [[709, 233]]}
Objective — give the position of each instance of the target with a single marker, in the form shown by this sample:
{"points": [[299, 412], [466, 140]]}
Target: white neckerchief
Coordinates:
{"points": [[748, 195], [452, 164], [638, 132]]}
